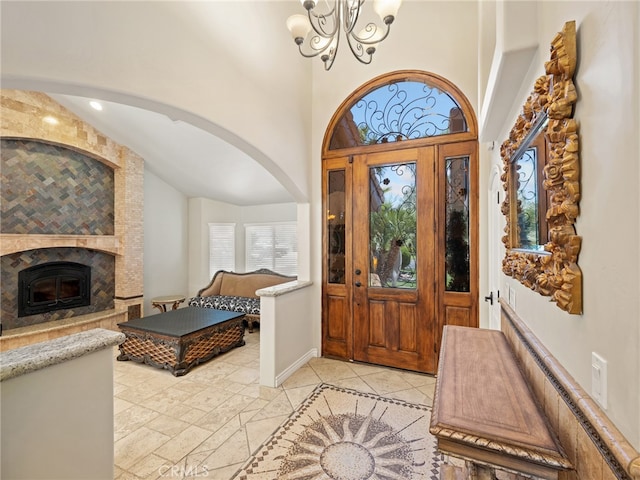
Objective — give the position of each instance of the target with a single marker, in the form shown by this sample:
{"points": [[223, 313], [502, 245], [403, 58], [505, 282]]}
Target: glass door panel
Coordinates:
{"points": [[392, 226], [457, 224], [336, 233]]}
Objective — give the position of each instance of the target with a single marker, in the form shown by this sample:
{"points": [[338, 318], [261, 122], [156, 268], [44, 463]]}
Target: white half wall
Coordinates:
{"points": [[287, 339], [57, 422]]}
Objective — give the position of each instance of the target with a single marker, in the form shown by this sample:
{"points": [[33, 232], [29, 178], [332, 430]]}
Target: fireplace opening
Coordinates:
{"points": [[53, 286]]}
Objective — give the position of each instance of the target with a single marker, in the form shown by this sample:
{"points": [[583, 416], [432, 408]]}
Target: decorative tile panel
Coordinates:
{"points": [[49, 189]]}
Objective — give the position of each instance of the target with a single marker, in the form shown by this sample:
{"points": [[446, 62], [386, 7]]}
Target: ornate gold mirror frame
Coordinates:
{"points": [[553, 272]]}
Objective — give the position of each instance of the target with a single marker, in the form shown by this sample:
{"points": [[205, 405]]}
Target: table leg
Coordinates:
{"points": [[480, 472], [162, 307]]}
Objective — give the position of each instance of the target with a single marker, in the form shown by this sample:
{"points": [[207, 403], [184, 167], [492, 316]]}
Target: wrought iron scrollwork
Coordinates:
{"points": [[405, 111]]}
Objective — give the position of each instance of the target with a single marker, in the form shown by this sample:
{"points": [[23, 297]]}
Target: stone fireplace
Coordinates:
{"points": [[100, 289], [69, 194], [53, 286]]}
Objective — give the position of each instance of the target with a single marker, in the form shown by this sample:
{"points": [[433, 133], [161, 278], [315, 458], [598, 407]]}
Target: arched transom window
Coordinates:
{"points": [[397, 110]]}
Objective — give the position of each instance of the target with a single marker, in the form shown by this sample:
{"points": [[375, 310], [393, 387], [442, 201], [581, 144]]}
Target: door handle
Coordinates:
{"points": [[358, 284], [489, 298], [358, 271]]}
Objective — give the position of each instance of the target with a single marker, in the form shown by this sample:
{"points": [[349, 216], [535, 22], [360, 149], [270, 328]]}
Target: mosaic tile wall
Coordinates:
{"points": [[102, 283], [49, 189]]}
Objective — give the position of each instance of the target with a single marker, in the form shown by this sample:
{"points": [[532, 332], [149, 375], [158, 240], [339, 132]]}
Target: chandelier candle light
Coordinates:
{"points": [[326, 26]]}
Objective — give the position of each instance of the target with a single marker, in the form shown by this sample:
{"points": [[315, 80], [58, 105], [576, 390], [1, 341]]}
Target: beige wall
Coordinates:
{"points": [[607, 112], [193, 61], [593, 445], [165, 241]]}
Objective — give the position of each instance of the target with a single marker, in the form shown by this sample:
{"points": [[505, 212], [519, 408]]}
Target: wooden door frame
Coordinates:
{"points": [[441, 143]]}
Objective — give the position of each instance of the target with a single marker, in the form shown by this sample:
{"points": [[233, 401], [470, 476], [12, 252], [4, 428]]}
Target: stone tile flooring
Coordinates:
{"points": [[207, 423]]}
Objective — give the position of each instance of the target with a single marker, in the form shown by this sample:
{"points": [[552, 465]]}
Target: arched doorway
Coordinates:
{"points": [[400, 234]]}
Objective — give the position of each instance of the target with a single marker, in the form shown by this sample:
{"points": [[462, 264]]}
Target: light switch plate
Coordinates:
{"points": [[512, 297], [599, 379]]}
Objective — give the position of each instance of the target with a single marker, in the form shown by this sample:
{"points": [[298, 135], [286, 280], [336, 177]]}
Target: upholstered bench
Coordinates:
{"points": [[236, 292]]}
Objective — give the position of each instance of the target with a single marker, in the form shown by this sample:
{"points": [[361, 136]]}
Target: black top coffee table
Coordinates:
{"points": [[180, 339]]}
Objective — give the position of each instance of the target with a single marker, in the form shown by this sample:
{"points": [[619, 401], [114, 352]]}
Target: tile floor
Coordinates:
{"points": [[207, 423]]}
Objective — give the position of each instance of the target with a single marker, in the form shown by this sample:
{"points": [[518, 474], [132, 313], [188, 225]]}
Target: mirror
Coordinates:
{"points": [[541, 177], [530, 230]]}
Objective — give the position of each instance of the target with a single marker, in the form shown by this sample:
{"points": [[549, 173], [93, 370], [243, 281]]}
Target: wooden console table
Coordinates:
{"points": [[484, 412]]}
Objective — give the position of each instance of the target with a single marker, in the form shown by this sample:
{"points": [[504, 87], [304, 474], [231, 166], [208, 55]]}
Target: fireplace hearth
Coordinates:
{"points": [[53, 286]]}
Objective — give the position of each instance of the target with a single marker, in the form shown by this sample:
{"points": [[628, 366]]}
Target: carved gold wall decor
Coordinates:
{"points": [[553, 270]]}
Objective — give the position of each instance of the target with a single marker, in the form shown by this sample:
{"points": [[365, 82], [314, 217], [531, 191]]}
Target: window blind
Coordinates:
{"points": [[222, 250], [273, 246]]}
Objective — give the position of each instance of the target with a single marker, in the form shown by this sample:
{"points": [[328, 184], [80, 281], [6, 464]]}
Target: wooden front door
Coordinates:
{"points": [[400, 208], [399, 251], [393, 217]]}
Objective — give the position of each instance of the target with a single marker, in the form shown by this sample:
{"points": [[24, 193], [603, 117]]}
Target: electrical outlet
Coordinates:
{"points": [[599, 379]]}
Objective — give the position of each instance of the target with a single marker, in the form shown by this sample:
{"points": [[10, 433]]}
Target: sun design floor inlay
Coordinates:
{"points": [[342, 434]]}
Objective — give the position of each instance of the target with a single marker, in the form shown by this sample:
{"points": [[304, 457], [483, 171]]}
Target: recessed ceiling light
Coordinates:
{"points": [[50, 120], [96, 105]]}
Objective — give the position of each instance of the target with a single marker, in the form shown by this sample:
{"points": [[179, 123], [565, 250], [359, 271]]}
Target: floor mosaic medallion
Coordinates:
{"points": [[343, 434]]}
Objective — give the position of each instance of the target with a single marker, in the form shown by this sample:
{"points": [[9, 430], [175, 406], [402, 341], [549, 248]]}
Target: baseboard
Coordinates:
{"points": [[291, 369]]}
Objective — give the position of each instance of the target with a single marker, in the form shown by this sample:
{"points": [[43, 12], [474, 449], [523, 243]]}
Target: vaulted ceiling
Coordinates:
{"points": [[196, 162]]}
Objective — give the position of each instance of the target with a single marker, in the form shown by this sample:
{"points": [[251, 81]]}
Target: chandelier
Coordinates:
{"points": [[322, 29]]}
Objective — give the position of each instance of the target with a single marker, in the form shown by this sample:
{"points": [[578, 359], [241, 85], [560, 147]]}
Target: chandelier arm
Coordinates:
{"points": [[319, 21], [359, 51], [351, 15], [328, 59], [371, 29], [316, 46]]}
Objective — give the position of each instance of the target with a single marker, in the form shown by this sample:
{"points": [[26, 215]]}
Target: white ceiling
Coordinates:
{"points": [[193, 161]]}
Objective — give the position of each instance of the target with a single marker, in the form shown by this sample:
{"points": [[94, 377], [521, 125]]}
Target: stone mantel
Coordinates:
{"points": [[13, 243]]}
